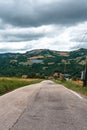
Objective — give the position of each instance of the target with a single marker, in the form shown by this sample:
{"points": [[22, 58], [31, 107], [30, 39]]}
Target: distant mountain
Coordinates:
{"points": [[42, 62]]}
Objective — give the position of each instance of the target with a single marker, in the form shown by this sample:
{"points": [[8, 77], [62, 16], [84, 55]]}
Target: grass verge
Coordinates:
{"points": [[10, 84], [73, 86]]}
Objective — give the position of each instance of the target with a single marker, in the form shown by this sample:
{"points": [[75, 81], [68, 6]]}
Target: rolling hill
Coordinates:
{"points": [[42, 62]]}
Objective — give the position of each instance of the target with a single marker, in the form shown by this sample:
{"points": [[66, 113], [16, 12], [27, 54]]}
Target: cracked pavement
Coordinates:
{"points": [[43, 106]]}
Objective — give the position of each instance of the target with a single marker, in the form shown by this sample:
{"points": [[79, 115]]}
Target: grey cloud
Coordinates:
{"points": [[80, 38], [21, 22], [20, 37], [7, 50], [30, 13], [78, 46], [4, 50], [3, 25], [75, 47], [15, 50]]}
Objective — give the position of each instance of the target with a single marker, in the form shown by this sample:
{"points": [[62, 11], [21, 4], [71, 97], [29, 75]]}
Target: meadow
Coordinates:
{"points": [[10, 84], [74, 85]]}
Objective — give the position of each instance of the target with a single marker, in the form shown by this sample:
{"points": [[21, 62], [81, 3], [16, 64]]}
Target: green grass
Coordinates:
{"points": [[10, 84], [73, 86]]}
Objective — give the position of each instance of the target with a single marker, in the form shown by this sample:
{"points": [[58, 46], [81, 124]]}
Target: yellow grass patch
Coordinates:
{"points": [[63, 53], [19, 79], [78, 82], [35, 57]]}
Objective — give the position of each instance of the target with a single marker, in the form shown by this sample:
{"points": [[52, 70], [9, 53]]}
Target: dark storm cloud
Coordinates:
{"points": [[36, 13]]}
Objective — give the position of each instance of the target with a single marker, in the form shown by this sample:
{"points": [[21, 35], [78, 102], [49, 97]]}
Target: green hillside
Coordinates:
{"points": [[40, 63]]}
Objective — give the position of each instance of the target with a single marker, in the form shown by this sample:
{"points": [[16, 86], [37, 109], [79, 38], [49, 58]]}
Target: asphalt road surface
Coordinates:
{"points": [[43, 106]]}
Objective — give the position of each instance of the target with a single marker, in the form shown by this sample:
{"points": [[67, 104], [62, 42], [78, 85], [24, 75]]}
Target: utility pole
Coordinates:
{"points": [[84, 73], [85, 78], [86, 70], [65, 68]]}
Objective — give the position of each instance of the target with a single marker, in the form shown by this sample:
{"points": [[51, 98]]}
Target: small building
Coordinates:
{"points": [[24, 76], [56, 74], [50, 78], [67, 76], [61, 76]]}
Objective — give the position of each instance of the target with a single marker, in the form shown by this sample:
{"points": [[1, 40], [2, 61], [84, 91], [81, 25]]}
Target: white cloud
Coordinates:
{"points": [[49, 37], [37, 24]]}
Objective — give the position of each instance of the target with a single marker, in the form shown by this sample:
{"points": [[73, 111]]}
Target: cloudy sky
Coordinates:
{"points": [[42, 24]]}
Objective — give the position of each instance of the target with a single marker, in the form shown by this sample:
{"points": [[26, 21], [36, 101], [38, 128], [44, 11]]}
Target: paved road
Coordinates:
{"points": [[44, 106]]}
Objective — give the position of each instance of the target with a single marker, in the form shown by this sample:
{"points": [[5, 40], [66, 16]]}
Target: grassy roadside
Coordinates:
{"points": [[10, 84], [73, 86]]}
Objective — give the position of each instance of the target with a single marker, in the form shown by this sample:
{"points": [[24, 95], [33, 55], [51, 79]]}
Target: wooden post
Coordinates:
{"points": [[85, 80]]}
